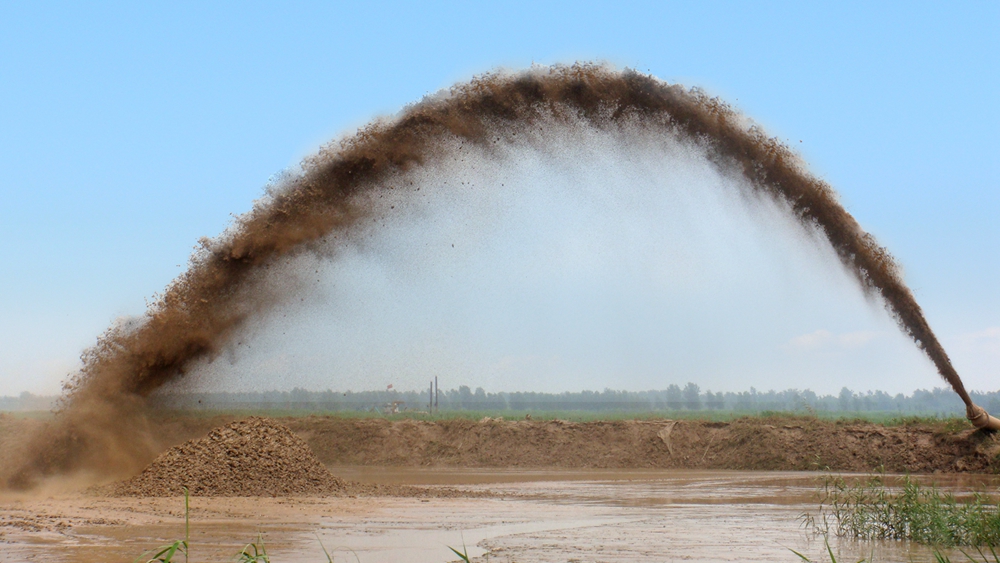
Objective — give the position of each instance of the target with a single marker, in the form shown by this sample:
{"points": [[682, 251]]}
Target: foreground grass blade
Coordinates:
{"points": [[464, 556], [187, 522], [167, 552], [254, 552], [829, 550], [802, 557], [329, 558]]}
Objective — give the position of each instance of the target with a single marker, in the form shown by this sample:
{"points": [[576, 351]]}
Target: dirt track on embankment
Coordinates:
{"points": [[752, 443]]}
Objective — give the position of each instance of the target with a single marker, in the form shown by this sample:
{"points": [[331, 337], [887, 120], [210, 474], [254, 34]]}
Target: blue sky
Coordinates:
{"points": [[128, 131]]}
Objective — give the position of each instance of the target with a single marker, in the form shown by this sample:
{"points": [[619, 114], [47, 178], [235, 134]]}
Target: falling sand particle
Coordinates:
{"points": [[101, 424]]}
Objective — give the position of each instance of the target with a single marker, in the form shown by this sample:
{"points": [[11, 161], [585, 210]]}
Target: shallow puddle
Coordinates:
{"points": [[539, 515]]}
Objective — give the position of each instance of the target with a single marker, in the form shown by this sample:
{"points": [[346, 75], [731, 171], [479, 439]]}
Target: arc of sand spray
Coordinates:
{"points": [[199, 311]]}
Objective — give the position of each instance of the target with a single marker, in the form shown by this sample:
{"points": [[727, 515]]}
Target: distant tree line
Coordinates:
{"points": [[941, 401], [27, 402], [690, 397]]}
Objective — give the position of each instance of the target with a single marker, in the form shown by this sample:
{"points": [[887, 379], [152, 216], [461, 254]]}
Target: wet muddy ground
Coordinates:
{"points": [[537, 515]]}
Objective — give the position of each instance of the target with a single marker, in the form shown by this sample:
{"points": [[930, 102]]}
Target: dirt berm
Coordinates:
{"points": [[761, 443], [776, 443]]}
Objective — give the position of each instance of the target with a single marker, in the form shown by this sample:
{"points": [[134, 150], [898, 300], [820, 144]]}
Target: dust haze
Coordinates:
{"points": [[570, 258]]}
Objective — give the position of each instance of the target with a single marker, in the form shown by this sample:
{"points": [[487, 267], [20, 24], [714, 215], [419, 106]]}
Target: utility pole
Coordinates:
{"points": [[437, 394]]}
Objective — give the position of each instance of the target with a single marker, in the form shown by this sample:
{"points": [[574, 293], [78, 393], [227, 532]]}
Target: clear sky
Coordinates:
{"points": [[129, 130]]}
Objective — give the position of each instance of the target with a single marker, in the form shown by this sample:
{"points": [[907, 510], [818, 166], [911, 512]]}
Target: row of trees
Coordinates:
{"points": [[27, 402], [673, 398]]}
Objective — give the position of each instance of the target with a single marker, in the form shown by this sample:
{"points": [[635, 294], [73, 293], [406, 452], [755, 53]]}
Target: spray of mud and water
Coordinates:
{"points": [[102, 423]]}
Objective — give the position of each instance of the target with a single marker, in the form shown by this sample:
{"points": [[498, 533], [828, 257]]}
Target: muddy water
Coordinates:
{"points": [[545, 515]]}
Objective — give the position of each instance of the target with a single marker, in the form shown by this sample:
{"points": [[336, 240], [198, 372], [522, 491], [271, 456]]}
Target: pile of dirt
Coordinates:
{"points": [[255, 457]]}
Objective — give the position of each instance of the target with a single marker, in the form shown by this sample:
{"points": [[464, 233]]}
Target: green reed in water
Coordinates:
{"points": [[991, 557], [872, 510], [166, 553]]}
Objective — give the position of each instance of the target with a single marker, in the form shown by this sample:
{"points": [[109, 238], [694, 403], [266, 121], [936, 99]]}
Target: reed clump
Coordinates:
{"points": [[871, 509]]}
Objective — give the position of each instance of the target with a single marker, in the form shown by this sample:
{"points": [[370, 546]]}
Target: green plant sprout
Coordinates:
{"points": [[329, 557], [166, 553], [464, 554], [255, 552]]}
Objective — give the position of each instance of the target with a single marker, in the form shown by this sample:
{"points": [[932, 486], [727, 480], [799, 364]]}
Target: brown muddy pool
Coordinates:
{"points": [[542, 515]]}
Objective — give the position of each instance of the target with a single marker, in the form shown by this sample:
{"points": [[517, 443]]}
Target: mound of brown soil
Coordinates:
{"points": [[254, 457]]}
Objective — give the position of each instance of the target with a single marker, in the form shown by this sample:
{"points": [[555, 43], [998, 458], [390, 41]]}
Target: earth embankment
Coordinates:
{"points": [[750, 443]]}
